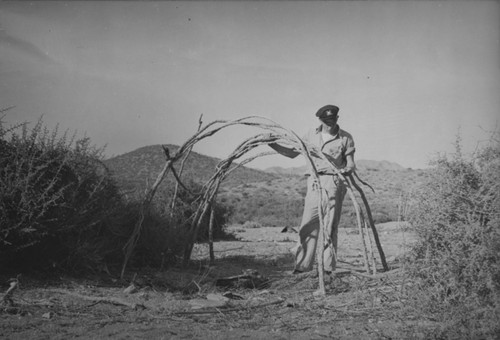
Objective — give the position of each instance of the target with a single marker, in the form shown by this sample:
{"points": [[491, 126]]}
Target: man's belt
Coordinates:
{"points": [[326, 173], [322, 173]]}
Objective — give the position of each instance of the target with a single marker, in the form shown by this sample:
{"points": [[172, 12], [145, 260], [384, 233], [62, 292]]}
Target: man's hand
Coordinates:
{"points": [[347, 171], [349, 167]]}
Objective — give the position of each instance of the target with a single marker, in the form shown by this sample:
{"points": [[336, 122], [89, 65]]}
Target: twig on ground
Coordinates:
{"points": [[235, 309], [112, 300], [375, 276], [367, 276]]}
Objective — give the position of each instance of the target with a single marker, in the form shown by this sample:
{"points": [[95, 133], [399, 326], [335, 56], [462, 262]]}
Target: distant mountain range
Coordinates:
{"points": [[361, 165]]}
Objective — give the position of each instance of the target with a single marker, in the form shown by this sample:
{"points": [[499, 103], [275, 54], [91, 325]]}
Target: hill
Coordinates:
{"points": [[364, 164], [135, 169], [270, 198]]}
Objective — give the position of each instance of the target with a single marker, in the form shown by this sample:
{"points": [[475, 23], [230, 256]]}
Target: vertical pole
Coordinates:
{"points": [[320, 247], [211, 235]]}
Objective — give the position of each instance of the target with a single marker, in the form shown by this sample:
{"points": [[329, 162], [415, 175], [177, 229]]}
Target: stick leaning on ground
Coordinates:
{"points": [[371, 221]]}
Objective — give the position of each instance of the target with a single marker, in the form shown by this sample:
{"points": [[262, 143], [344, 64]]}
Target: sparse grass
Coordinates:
{"points": [[280, 203], [251, 225]]}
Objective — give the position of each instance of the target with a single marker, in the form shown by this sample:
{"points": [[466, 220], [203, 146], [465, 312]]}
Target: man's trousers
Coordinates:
{"points": [[333, 196]]}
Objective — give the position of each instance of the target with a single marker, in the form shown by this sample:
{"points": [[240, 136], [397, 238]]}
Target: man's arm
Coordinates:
{"points": [[350, 165]]}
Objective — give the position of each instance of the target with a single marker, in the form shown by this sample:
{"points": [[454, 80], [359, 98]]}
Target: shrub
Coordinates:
{"points": [[55, 197], [60, 207], [457, 258]]}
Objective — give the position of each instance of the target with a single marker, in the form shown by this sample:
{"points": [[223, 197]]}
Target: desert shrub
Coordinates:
{"points": [[55, 198], [457, 259], [61, 208]]}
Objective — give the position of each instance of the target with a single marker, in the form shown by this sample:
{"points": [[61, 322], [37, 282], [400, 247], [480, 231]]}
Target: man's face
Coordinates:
{"points": [[329, 118]]}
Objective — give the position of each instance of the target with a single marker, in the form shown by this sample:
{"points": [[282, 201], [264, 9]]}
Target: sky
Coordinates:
{"points": [[408, 76]]}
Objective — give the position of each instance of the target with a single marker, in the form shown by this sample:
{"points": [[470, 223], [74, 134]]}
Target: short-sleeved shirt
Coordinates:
{"points": [[336, 147]]}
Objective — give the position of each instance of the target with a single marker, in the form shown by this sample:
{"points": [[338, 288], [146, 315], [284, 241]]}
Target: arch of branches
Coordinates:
{"points": [[270, 132]]}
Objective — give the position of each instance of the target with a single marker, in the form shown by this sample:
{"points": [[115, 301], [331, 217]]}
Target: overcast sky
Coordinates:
{"points": [[406, 75]]}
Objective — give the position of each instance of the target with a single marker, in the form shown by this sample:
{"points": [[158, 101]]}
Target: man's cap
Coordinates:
{"points": [[327, 110]]}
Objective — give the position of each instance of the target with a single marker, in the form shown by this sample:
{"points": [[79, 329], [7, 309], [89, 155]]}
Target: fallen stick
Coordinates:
{"points": [[97, 299], [367, 276], [374, 276], [235, 309]]}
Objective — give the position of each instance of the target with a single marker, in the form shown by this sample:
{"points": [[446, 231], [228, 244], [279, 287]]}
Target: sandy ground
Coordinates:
{"points": [[191, 304], [271, 243]]}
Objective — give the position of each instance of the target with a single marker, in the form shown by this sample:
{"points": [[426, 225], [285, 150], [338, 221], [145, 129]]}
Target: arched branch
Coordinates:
{"points": [[278, 134]]}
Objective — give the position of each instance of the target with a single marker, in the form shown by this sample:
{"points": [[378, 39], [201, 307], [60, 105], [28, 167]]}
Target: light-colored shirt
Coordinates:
{"points": [[337, 147]]}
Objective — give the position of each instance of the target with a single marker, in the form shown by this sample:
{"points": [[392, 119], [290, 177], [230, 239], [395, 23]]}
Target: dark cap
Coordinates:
{"points": [[327, 110]]}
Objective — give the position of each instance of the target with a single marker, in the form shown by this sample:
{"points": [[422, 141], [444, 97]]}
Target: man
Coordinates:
{"points": [[338, 146]]}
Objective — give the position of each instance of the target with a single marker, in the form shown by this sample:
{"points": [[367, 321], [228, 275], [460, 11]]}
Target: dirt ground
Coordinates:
{"points": [[247, 293]]}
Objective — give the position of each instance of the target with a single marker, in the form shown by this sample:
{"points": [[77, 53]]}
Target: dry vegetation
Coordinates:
{"points": [[278, 202], [443, 280]]}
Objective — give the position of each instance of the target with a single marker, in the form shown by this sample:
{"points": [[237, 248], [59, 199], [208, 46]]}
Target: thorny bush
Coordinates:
{"points": [[55, 199], [60, 207], [457, 259]]}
